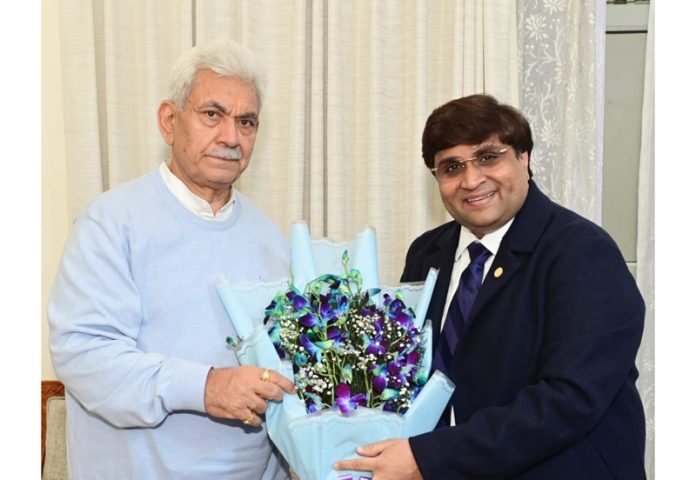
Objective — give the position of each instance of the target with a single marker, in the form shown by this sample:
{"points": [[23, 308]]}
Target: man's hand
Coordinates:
{"points": [[388, 460], [241, 393]]}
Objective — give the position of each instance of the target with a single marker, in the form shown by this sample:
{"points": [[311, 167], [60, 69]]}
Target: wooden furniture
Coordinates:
{"points": [[49, 388]]}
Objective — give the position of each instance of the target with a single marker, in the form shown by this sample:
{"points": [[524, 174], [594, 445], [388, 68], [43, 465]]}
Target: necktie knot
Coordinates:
{"points": [[478, 253]]}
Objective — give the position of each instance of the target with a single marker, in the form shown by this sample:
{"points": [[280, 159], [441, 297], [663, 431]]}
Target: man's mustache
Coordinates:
{"points": [[227, 153]]}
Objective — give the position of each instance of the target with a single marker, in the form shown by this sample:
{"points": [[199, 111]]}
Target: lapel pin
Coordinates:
{"points": [[498, 272]]}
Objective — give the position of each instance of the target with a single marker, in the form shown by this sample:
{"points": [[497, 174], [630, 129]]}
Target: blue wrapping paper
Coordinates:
{"points": [[312, 443]]}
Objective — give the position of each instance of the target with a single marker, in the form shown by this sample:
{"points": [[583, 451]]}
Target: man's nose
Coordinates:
{"points": [[229, 132], [470, 176]]}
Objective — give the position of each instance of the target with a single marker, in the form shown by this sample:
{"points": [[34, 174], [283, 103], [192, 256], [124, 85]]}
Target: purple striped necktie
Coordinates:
{"points": [[460, 306]]}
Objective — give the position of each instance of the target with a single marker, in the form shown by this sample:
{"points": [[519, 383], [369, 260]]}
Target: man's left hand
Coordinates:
{"points": [[387, 460]]}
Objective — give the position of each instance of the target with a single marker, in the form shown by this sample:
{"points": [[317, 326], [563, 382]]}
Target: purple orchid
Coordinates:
{"points": [[345, 402], [379, 382], [309, 320], [346, 349], [298, 301]]}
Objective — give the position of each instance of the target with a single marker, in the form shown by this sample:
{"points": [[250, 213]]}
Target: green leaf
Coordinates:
{"points": [[320, 368], [347, 373], [373, 291], [421, 377], [315, 398], [356, 276], [300, 359], [389, 394], [325, 345]]}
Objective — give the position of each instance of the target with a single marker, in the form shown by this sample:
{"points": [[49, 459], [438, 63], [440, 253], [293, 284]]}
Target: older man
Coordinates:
{"points": [[538, 320], [137, 332]]}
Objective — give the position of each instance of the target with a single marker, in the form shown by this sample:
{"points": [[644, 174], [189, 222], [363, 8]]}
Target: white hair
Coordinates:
{"points": [[224, 57]]}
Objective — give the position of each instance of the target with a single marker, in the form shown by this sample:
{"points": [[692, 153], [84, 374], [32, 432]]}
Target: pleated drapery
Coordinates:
{"points": [[350, 87]]}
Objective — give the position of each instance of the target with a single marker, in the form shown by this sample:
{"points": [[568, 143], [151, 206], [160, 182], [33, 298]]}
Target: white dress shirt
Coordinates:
{"points": [[191, 201], [462, 260]]}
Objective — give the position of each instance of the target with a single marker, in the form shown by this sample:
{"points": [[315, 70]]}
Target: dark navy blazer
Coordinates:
{"points": [[545, 372]]}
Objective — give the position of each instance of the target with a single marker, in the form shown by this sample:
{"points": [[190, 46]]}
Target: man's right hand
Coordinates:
{"points": [[241, 393]]}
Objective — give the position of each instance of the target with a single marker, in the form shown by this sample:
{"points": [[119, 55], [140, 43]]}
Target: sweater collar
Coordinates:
{"points": [[193, 202]]}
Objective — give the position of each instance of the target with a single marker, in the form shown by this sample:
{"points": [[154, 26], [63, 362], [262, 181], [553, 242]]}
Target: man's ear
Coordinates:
{"points": [[524, 157], [165, 120]]}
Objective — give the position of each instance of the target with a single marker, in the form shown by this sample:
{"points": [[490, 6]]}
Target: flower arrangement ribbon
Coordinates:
{"points": [[312, 442]]}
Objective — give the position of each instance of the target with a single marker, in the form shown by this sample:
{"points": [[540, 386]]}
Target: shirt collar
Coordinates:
{"points": [[191, 201], [491, 241]]}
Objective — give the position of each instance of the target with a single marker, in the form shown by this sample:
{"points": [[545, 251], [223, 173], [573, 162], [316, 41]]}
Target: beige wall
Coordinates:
{"points": [[54, 216], [623, 106]]}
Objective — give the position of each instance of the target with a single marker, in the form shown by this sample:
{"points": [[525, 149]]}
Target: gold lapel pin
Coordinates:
{"points": [[498, 272]]}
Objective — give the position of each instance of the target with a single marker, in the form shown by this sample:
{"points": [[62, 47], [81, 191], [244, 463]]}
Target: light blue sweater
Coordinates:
{"points": [[136, 325]]}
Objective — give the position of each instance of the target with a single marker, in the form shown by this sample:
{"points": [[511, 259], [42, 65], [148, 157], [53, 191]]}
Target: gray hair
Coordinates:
{"points": [[224, 57]]}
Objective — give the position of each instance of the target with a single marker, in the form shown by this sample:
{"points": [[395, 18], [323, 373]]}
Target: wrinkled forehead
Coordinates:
{"points": [[211, 86]]}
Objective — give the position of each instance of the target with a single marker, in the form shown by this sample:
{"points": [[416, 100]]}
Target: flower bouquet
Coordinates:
{"points": [[357, 352]]}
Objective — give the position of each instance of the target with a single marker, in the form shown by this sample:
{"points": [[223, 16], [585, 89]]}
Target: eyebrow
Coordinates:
{"points": [[249, 116], [218, 106], [482, 148], [448, 160], [213, 104], [486, 147]]}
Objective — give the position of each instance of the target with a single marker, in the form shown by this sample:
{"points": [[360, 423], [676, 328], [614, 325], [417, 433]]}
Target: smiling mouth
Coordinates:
{"points": [[478, 199]]}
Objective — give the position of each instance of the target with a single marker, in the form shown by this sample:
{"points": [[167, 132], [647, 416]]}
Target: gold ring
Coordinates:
{"points": [[248, 420], [266, 376]]}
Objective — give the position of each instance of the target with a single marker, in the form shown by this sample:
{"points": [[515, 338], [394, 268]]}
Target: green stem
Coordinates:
{"points": [[368, 390], [332, 375]]}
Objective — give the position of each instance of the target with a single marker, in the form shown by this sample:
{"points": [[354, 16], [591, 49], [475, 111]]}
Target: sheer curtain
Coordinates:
{"points": [[562, 95], [645, 247]]}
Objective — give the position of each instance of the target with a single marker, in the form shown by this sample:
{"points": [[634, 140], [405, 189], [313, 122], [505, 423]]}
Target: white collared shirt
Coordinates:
{"points": [[191, 201], [462, 260]]}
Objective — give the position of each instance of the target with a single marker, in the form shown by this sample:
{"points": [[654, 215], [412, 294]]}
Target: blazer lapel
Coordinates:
{"points": [[506, 263], [443, 260]]}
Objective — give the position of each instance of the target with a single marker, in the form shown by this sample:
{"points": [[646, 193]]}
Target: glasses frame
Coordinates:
{"points": [[499, 152]]}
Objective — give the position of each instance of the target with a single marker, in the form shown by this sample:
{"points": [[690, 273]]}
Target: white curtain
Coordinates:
{"points": [[645, 247], [115, 58], [351, 84], [562, 48]]}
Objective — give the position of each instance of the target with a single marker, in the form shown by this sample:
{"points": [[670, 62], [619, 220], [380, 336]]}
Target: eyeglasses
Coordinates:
{"points": [[450, 169]]}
